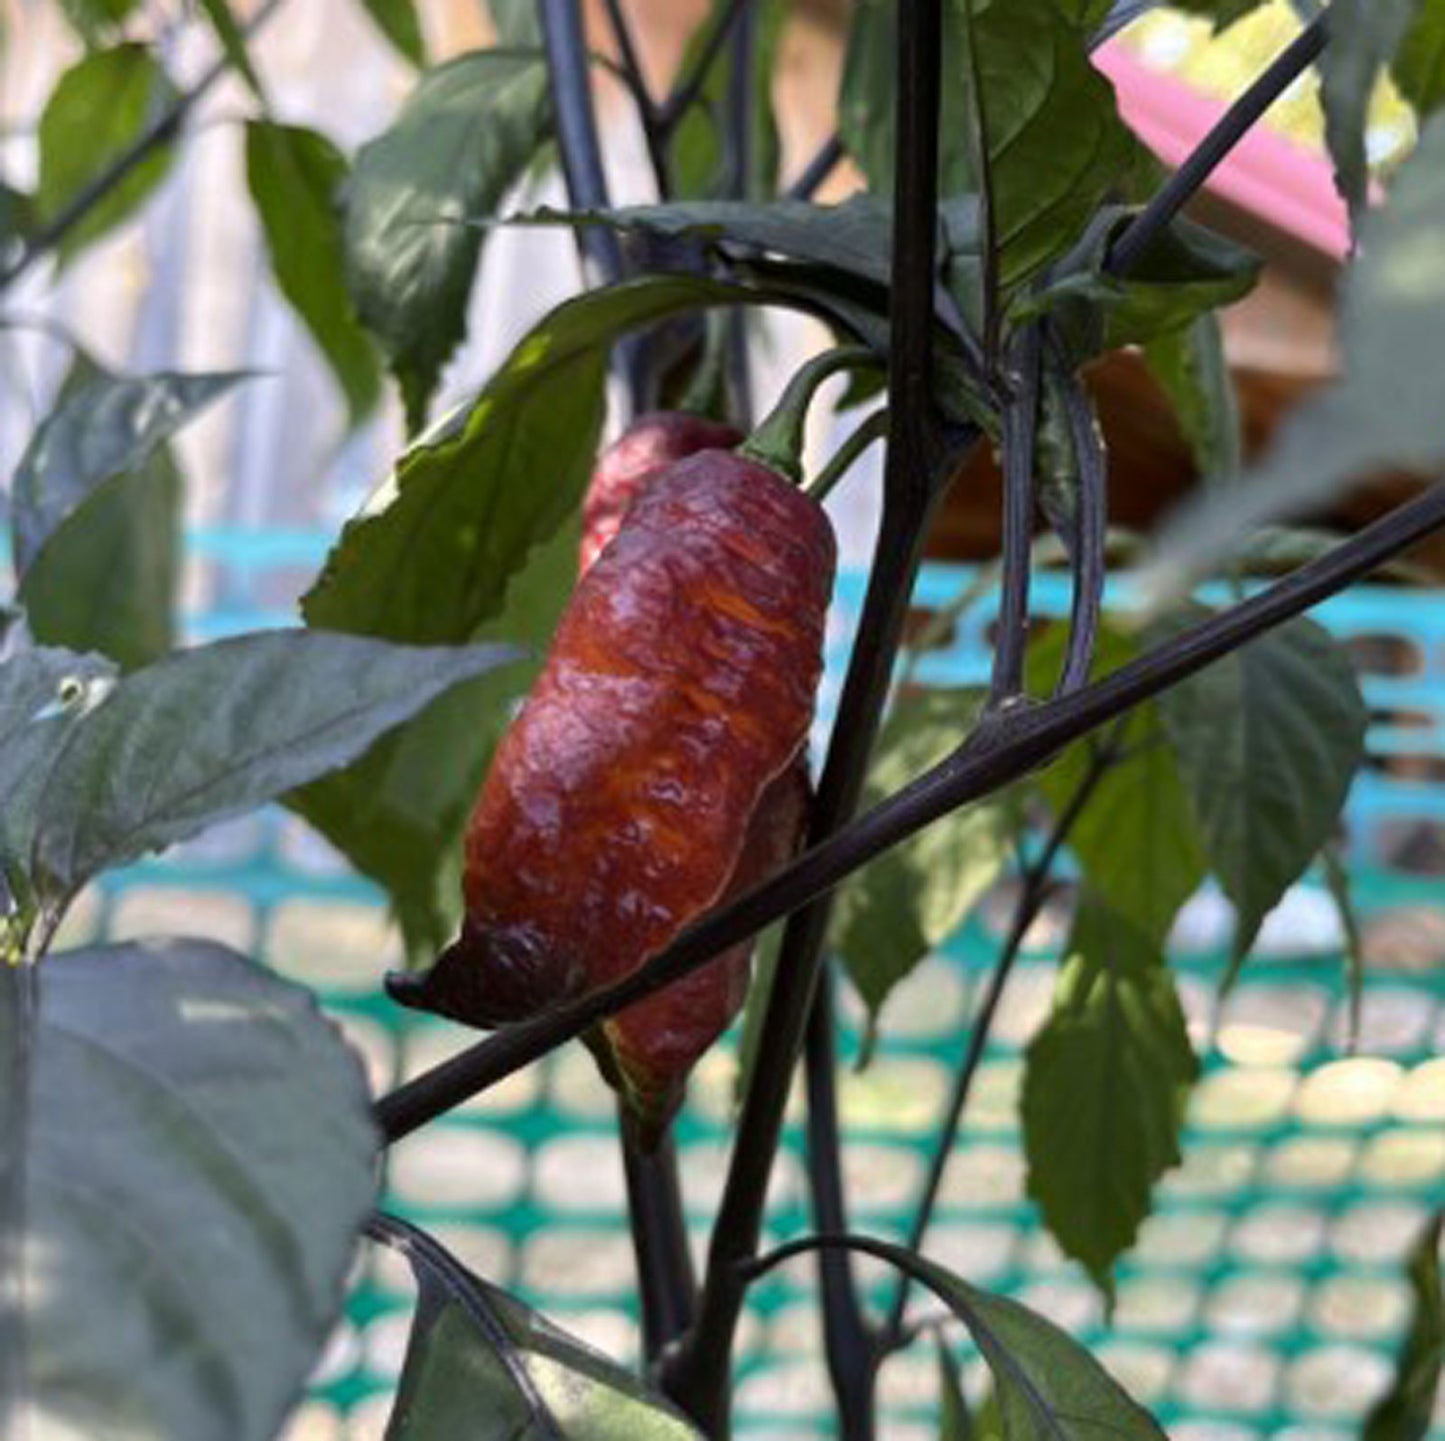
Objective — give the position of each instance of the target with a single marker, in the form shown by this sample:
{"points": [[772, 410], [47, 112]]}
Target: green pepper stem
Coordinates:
{"points": [[778, 440], [875, 427]]}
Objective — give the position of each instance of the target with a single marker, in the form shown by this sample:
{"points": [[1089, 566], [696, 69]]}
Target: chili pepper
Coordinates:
{"points": [[650, 444], [679, 685]]}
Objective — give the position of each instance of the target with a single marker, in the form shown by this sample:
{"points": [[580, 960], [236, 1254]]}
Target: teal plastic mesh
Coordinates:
{"points": [[1265, 1297]]}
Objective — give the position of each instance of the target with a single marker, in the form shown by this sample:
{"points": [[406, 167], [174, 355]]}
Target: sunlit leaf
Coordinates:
{"points": [[98, 109], [1105, 1083], [480, 1364]]}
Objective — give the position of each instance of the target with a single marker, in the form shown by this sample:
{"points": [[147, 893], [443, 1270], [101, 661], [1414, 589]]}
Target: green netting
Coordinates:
{"points": [[1265, 1297]]}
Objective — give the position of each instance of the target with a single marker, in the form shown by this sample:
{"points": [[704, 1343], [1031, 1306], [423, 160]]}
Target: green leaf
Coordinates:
{"points": [[1135, 839], [697, 149], [1105, 1085], [1054, 140], [1268, 741], [1419, 66], [901, 906], [1384, 413], [397, 813], [1364, 37], [295, 177], [517, 22], [206, 734], [1190, 365], [98, 109], [43, 694], [17, 220], [430, 557], [1047, 1387], [98, 21], [186, 1158], [1405, 1414], [482, 1365], [102, 425], [1187, 273], [106, 578], [399, 22], [233, 43], [465, 135]]}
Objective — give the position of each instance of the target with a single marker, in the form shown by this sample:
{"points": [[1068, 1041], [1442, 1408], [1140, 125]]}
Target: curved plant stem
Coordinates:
{"points": [[665, 1279], [818, 169], [690, 86], [1020, 423], [1036, 882], [1232, 127], [874, 427], [630, 72], [1003, 750], [1087, 552], [161, 130]]}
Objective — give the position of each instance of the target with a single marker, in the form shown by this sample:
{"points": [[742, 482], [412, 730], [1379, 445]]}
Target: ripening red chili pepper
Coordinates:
{"points": [[655, 765]]}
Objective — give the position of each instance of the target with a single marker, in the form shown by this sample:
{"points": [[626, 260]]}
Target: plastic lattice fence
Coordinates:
{"points": [[1265, 1297]]}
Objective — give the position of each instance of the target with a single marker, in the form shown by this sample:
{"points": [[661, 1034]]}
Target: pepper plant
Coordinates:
{"points": [[189, 1158]]}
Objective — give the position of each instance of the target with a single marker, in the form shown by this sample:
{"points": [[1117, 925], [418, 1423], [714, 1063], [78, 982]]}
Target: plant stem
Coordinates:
{"points": [[161, 130], [699, 1380], [630, 71], [690, 86], [1232, 127], [874, 427], [1000, 752], [1087, 557], [1020, 424], [1036, 882], [665, 1279], [817, 170]]}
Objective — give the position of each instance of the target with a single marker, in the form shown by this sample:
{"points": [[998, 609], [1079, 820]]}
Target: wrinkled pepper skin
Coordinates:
{"points": [[649, 445], [656, 765]]}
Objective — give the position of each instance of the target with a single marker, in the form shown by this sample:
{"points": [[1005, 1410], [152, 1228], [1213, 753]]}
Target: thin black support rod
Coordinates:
{"points": [[690, 85], [164, 128], [1033, 893], [1231, 128], [1007, 748], [700, 1378], [564, 40], [1091, 529], [827, 159], [1020, 429]]}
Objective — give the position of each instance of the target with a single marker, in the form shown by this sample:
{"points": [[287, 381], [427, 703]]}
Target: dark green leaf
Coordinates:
{"points": [[482, 1365], [1187, 273], [105, 579], [233, 43], [187, 1138], [98, 109], [1406, 1413], [430, 557], [908, 901], [1268, 741], [295, 177], [43, 693], [1105, 1084], [102, 425], [466, 134], [397, 813], [1384, 413], [698, 151], [1136, 839], [98, 21], [399, 22], [1364, 37], [1190, 366], [1419, 67], [206, 734], [1047, 1387], [17, 219]]}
